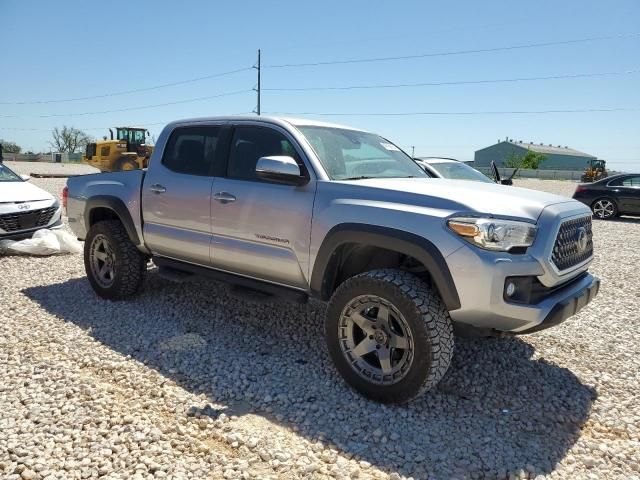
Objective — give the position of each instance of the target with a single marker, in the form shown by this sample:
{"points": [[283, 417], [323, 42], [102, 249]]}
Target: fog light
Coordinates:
{"points": [[511, 289]]}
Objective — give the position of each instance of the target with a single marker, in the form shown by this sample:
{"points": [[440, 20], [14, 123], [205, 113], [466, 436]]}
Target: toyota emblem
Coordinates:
{"points": [[582, 239]]}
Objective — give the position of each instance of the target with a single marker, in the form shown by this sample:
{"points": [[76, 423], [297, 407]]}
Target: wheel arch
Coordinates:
{"points": [[107, 207], [325, 278]]}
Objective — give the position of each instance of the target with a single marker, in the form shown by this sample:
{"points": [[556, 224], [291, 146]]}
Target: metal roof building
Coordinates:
{"points": [[558, 157]]}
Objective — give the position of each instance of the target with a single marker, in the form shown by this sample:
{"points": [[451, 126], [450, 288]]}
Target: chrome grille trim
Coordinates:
{"points": [[10, 222], [566, 254]]}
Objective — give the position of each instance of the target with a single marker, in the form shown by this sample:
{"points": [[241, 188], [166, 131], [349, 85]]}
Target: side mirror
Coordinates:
{"points": [[506, 181], [280, 169], [26, 178]]}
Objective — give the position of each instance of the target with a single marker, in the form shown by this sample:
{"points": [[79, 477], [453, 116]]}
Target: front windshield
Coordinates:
{"points": [[7, 175], [353, 155], [459, 171], [131, 136]]}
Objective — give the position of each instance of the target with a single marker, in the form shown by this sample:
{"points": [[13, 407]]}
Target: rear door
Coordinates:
{"points": [[176, 195], [261, 229], [630, 194]]}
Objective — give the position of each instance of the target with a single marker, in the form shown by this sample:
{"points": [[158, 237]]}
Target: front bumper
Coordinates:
{"points": [[480, 277], [18, 234], [22, 234], [570, 305]]}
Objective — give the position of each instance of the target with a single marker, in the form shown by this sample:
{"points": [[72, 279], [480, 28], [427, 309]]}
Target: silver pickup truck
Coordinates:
{"points": [[303, 209]]}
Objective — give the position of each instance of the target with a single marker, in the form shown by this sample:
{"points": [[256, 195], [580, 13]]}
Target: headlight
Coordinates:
{"points": [[494, 234]]}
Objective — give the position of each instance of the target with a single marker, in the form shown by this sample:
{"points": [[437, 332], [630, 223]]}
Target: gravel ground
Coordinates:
{"points": [[57, 168], [192, 380]]}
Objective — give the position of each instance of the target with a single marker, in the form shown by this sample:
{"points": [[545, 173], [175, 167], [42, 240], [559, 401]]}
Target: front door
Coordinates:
{"points": [[261, 229], [176, 195]]}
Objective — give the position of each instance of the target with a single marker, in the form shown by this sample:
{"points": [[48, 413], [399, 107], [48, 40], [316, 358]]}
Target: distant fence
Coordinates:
{"points": [[42, 157], [531, 173]]}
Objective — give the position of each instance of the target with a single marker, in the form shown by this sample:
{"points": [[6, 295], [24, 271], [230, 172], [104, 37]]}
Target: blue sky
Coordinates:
{"points": [[60, 50]]}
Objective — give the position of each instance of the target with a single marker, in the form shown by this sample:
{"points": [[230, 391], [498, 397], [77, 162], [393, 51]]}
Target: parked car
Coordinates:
{"points": [[309, 209], [25, 208], [611, 196], [441, 167]]}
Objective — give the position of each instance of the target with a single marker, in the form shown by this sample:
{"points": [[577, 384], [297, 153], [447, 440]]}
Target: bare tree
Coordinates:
{"points": [[10, 147], [69, 139]]}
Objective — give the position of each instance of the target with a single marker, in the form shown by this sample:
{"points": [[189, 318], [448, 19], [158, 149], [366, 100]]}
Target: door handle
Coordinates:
{"points": [[157, 188], [224, 197]]}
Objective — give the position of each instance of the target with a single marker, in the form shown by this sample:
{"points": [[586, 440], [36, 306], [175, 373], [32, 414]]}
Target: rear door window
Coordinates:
{"points": [[631, 182], [192, 150]]}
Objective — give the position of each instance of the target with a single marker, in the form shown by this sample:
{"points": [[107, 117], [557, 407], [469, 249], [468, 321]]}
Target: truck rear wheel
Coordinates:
{"points": [[389, 335], [114, 265]]}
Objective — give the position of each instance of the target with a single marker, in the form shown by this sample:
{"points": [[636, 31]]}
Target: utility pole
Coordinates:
{"points": [[413, 151], [257, 67]]}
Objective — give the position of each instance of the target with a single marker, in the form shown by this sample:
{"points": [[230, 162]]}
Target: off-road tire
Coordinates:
{"points": [[426, 317], [129, 263], [123, 162]]}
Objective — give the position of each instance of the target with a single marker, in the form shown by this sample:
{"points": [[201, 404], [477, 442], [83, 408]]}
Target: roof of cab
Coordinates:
{"points": [[296, 122]]}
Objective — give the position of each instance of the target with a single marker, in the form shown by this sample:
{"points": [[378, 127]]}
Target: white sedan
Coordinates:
{"points": [[25, 208], [438, 167]]}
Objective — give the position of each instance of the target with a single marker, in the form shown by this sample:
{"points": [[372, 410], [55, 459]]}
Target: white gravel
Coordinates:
{"points": [[56, 168], [191, 381]]}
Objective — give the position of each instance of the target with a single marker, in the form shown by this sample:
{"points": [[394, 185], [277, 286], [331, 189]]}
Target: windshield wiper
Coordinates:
{"points": [[365, 177], [361, 177]]}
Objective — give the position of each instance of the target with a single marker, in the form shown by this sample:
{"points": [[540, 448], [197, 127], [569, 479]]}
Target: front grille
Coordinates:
{"points": [[574, 243], [12, 222]]}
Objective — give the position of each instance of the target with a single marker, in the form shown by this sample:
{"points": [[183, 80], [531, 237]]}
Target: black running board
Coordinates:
{"points": [[174, 275], [176, 270]]}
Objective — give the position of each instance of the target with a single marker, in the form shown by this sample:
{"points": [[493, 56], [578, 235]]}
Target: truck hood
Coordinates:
{"points": [[474, 198], [21, 192]]}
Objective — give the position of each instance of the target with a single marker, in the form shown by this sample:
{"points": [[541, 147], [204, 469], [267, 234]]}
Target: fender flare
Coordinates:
{"points": [[391, 239], [116, 205]]}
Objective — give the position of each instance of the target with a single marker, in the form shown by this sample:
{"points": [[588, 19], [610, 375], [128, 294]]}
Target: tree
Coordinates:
{"points": [[530, 160], [69, 139], [10, 147]]}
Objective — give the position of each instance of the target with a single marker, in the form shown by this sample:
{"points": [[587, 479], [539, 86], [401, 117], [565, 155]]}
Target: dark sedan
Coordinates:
{"points": [[611, 196]]}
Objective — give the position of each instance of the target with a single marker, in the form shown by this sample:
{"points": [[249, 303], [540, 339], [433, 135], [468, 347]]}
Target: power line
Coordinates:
{"points": [[126, 92], [454, 52], [458, 82], [142, 107], [488, 112], [140, 124]]}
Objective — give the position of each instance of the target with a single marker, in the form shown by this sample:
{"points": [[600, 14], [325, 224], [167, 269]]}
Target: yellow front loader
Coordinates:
{"points": [[595, 170], [128, 151]]}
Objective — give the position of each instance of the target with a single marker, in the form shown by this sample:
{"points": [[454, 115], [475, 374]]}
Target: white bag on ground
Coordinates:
{"points": [[43, 242]]}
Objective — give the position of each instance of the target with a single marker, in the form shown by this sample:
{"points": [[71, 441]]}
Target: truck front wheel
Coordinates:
{"points": [[114, 265], [389, 335]]}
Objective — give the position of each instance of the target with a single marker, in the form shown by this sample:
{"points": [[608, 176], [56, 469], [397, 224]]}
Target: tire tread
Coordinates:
{"points": [[435, 317], [131, 266]]}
